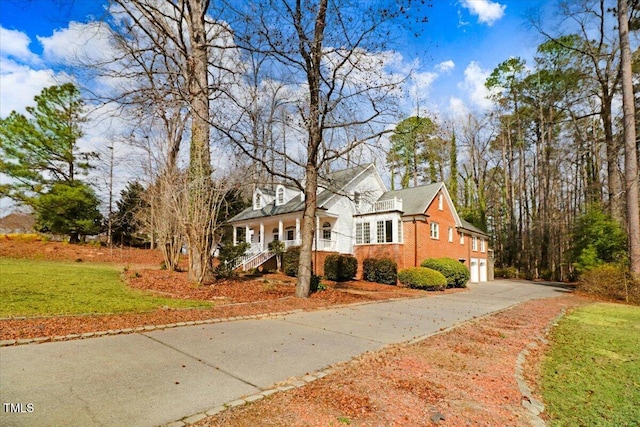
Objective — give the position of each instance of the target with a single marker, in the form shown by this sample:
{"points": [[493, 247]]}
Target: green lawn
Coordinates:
{"points": [[44, 288], [591, 376]]}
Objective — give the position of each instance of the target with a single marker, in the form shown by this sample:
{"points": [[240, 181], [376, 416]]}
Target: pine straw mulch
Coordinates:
{"points": [[462, 377]]}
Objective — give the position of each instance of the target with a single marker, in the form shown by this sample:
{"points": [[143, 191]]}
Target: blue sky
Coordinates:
{"points": [[461, 43]]}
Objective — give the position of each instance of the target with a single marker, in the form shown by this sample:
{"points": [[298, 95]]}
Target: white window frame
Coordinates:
{"points": [[400, 230], [482, 245], [434, 230], [326, 231], [462, 239], [257, 201], [366, 233], [380, 232], [450, 235], [474, 243], [359, 233], [440, 202], [280, 196]]}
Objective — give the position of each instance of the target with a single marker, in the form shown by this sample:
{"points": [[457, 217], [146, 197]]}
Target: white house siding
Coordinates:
{"points": [[342, 207]]}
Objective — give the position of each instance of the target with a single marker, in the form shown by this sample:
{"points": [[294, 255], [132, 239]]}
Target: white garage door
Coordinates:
{"points": [[483, 270], [474, 270]]}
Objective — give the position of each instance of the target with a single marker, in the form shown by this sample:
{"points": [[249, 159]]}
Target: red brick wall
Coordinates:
{"points": [[388, 250]]}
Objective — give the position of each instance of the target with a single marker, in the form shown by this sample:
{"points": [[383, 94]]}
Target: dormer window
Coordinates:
{"points": [[356, 199], [257, 200], [280, 196]]}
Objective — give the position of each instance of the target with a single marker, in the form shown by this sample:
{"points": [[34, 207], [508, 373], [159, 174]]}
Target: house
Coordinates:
{"points": [[357, 215]]}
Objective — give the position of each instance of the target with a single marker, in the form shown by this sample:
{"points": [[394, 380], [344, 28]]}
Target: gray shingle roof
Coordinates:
{"points": [[332, 184], [470, 227], [415, 200]]}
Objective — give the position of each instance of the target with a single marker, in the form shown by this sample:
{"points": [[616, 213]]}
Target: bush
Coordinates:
{"points": [[291, 261], [422, 278], [369, 269], [383, 270], [612, 282], [506, 272], [340, 267], [457, 273], [315, 285]]}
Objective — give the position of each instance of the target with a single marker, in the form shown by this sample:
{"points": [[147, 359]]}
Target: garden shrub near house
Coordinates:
{"points": [[340, 267], [456, 273], [380, 270], [506, 272], [422, 278], [291, 261]]}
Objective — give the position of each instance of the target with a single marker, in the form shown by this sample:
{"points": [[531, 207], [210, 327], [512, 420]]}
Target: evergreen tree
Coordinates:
{"points": [[127, 225]]}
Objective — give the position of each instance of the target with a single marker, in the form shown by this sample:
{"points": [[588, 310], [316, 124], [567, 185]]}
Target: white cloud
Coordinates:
{"points": [[473, 85], [457, 108], [446, 66], [78, 43], [15, 44], [488, 12]]}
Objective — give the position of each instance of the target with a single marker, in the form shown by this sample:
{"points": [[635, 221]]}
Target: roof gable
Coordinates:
{"points": [[416, 200]]}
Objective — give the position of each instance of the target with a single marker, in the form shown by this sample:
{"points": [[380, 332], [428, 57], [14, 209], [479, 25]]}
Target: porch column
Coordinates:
{"points": [[235, 234], [247, 234], [297, 230], [261, 236], [281, 235], [317, 239]]}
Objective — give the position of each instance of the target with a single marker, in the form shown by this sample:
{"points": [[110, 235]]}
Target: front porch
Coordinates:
{"points": [[260, 234]]}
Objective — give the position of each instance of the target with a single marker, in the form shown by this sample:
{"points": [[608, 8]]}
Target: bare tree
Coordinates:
{"points": [[330, 55]]}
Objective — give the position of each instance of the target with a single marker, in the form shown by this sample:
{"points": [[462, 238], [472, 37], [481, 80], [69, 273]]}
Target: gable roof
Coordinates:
{"points": [[415, 200], [331, 184]]}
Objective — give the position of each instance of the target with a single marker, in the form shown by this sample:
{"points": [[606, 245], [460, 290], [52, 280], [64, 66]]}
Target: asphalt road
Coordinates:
{"points": [[154, 378]]}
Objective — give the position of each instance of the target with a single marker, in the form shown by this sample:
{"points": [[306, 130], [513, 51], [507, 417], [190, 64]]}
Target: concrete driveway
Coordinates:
{"points": [[154, 378]]}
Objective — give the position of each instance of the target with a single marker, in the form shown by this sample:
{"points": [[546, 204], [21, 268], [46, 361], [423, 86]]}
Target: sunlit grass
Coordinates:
{"points": [[45, 288], [591, 376]]}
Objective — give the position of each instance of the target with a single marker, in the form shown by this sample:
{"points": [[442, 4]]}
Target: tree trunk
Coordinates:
{"points": [[200, 267], [631, 161], [305, 269]]}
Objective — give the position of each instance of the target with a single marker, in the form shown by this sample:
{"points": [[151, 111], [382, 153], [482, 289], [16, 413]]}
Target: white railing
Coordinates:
{"points": [[257, 260], [289, 243], [394, 204], [325, 245]]}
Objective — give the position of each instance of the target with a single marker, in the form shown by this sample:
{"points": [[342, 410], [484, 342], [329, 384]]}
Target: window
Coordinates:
{"points": [[358, 234], [462, 238], [241, 235], [290, 232], [440, 202], [366, 233], [435, 230], [280, 196], [474, 243], [399, 231], [482, 248], [385, 231], [276, 234], [450, 234], [257, 201], [326, 231]]}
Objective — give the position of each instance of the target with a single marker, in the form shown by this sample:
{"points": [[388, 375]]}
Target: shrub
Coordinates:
{"points": [[291, 261], [315, 285], [457, 273], [340, 267], [422, 278], [506, 272], [383, 270], [610, 281], [229, 253], [369, 269]]}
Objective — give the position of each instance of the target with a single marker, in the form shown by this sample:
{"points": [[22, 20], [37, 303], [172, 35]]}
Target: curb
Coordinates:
{"points": [[290, 384]]}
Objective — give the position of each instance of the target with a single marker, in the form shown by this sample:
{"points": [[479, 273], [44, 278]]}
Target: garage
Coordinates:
{"points": [[483, 270], [474, 270]]}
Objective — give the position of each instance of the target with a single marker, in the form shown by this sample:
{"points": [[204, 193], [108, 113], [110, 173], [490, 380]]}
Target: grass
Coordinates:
{"points": [[591, 376], [46, 288]]}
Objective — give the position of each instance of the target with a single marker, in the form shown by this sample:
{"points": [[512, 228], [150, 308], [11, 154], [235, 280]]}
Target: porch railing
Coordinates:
{"points": [[394, 204]]}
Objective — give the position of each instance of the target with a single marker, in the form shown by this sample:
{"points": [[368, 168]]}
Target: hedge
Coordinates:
{"points": [[340, 267], [291, 261], [380, 270], [457, 273], [422, 278]]}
